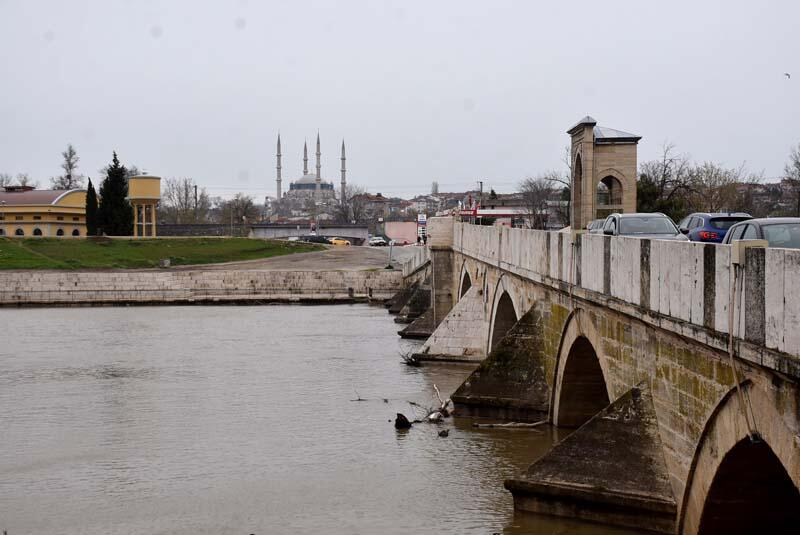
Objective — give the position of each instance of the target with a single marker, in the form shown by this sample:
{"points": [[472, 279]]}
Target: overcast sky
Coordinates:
{"points": [[453, 91]]}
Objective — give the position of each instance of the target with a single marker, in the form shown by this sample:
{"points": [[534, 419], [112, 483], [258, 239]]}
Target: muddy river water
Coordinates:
{"points": [[240, 420]]}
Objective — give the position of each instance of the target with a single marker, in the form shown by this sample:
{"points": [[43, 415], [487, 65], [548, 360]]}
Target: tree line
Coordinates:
{"points": [[675, 185]]}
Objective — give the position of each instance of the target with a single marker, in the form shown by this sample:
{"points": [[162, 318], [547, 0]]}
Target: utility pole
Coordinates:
{"points": [[195, 203]]}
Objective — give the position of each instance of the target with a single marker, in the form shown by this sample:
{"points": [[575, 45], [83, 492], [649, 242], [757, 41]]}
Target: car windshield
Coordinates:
{"points": [[724, 223], [783, 235], [646, 225]]}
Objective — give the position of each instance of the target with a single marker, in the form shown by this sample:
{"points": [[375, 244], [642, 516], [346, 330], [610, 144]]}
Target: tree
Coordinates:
{"points": [[664, 184], [792, 176], [71, 179], [182, 202], [114, 213], [536, 192], [713, 188], [353, 207], [91, 210], [238, 210], [5, 180], [24, 179]]}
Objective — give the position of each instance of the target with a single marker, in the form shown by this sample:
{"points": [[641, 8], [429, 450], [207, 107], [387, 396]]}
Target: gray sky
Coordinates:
{"points": [[451, 91]]}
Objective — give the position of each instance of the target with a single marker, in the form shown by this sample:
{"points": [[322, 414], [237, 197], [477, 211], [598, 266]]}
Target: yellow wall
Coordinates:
{"points": [[68, 214], [144, 187]]}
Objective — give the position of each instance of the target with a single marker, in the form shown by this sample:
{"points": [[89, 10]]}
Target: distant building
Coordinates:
{"points": [[309, 186], [25, 211]]}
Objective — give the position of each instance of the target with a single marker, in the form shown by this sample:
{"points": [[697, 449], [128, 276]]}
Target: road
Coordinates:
{"points": [[332, 258]]}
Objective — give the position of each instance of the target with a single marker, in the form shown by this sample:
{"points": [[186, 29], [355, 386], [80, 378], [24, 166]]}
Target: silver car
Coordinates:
{"points": [[655, 226]]}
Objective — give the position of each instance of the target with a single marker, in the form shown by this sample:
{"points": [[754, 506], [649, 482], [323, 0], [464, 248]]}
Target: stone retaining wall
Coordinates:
{"points": [[152, 286]]}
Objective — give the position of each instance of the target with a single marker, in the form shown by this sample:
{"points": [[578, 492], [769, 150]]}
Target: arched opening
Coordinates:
{"points": [[577, 189], [19, 232], [2, 232], [76, 232], [583, 391], [504, 318], [37, 232], [608, 197], [751, 493], [60, 232], [466, 284]]}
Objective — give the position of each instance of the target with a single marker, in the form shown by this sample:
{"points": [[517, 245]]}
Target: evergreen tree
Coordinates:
{"points": [[114, 214], [91, 210]]}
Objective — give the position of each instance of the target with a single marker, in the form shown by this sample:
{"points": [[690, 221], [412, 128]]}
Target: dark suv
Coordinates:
{"points": [[710, 227]]}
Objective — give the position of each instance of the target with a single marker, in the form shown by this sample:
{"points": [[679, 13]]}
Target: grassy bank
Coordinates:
{"points": [[99, 253]]}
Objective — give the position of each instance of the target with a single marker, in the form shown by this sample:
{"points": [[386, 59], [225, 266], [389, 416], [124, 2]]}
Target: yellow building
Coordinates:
{"points": [[144, 192], [26, 212]]}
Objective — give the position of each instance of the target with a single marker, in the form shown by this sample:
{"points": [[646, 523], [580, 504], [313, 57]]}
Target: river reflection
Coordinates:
{"points": [[240, 420]]}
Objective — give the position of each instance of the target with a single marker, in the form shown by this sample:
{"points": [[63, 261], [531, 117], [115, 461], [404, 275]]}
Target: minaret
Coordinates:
{"points": [[305, 158], [344, 181], [318, 191], [278, 176]]}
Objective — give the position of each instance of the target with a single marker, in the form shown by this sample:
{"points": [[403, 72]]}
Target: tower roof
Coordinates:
{"points": [[605, 135], [586, 121]]}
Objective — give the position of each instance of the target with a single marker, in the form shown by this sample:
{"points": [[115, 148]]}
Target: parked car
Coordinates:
{"points": [[710, 227], [311, 238], [778, 231], [595, 226], [377, 241], [656, 226], [339, 241]]}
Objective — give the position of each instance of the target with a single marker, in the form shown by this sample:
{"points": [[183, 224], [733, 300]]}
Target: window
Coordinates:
{"points": [[37, 218], [60, 218], [18, 218], [646, 224], [750, 233], [2, 217], [19, 232], [60, 232], [724, 223], [76, 218], [736, 233], [609, 224], [783, 235], [76, 232], [696, 222], [2, 232], [685, 222], [37, 232]]}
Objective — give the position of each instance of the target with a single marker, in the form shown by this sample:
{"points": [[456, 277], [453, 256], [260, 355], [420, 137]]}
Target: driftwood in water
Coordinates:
{"points": [[511, 425], [401, 422]]}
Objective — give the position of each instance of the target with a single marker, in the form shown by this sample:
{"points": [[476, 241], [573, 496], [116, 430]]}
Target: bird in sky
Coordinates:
{"points": [[787, 75]]}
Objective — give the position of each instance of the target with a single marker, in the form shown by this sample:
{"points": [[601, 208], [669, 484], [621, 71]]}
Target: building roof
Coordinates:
{"points": [[35, 196], [307, 179], [588, 120], [603, 134]]}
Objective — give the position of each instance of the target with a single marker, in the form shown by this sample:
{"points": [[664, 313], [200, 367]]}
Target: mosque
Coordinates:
{"points": [[309, 186]]}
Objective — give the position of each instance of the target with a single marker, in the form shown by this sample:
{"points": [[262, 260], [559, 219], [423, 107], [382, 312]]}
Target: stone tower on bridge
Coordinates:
{"points": [[603, 171]]}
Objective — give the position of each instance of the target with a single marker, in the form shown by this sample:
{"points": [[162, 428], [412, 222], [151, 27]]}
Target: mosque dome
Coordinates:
{"points": [[307, 179]]}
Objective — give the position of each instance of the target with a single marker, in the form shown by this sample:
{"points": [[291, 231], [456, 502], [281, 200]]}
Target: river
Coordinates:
{"points": [[239, 419]]}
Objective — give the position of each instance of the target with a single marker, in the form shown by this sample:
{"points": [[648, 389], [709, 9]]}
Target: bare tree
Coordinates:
{"points": [[71, 179], [792, 176], [664, 184], [713, 188], [353, 207], [182, 202], [5, 179], [237, 211], [536, 192], [24, 179]]}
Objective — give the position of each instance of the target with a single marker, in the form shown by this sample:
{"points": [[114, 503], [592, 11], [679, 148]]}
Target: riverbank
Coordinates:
{"points": [[59, 288], [125, 253]]}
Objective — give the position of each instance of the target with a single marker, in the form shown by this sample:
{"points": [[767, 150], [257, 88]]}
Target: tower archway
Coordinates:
{"points": [[608, 197]]}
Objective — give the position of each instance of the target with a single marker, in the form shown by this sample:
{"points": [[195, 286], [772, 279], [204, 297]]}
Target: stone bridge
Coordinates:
{"points": [[680, 427]]}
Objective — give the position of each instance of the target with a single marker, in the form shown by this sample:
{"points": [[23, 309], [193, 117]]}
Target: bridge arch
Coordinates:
{"points": [[736, 485], [465, 281], [581, 390], [505, 313]]}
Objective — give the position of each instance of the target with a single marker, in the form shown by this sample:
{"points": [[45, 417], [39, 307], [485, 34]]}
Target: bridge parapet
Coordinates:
{"points": [[682, 286]]}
